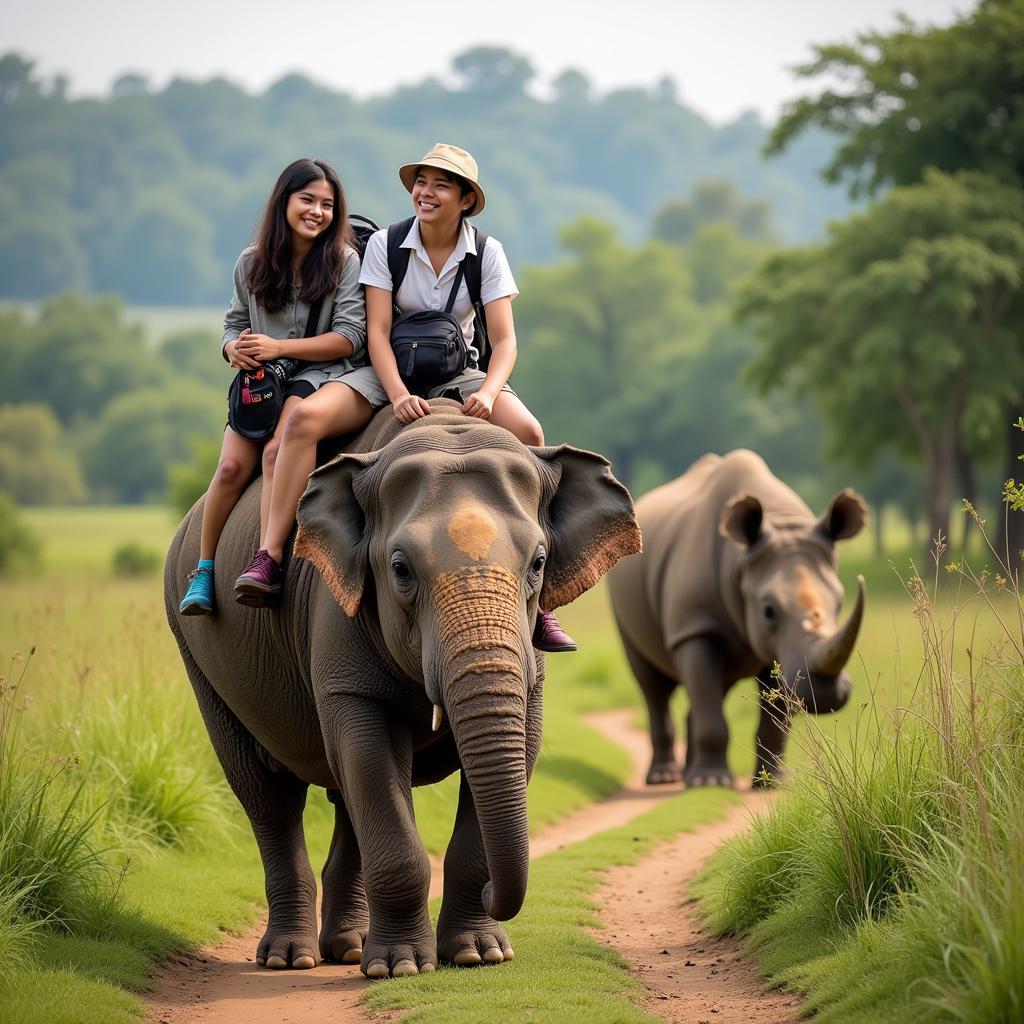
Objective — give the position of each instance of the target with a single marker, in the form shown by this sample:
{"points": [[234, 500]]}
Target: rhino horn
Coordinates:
{"points": [[832, 653]]}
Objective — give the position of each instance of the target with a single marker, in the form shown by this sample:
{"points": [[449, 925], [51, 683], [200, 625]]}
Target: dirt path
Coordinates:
{"points": [[223, 985]]}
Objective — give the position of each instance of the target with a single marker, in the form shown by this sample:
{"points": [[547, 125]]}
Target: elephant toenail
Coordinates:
{"points": [[275, 962], [304, 963], [467, 958], [352, 956], [377, 969], [403, 969], [426, 968], [493, 955]]}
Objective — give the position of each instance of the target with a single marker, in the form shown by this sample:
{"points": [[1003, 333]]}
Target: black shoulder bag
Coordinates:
{"points": [[469, 268], [256, 397]]}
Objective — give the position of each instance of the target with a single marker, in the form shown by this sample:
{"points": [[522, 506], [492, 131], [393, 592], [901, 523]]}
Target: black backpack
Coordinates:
{"points": [[398, 264]]}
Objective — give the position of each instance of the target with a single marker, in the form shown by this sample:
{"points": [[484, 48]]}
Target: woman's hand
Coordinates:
{"points": [[479, 405], [410, 407], [258, 347], [238, 360]]}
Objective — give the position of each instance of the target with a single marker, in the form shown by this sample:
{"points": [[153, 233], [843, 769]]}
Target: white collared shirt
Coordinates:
{"points": [[423, 289]]}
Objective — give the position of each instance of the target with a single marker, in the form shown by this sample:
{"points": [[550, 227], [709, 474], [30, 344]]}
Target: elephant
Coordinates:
{"points": [[400, 654], [736, 579]]}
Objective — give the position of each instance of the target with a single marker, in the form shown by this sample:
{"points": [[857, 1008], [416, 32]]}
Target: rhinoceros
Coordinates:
{"points": [[737, 579]]}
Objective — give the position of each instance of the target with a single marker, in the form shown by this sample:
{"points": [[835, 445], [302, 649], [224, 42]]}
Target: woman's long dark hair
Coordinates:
{"points": [[270, 273]]}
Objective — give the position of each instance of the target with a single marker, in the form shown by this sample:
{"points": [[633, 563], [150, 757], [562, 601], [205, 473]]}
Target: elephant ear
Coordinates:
{"points": [[845, 517], [332, 528], [589, 519], [742, 520]]}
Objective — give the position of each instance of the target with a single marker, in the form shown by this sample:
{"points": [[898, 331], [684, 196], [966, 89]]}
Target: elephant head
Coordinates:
{"points": [[446, 541], [792, 595]]}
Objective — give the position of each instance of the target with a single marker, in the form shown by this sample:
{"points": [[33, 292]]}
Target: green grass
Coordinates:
{"points": [[561, 974], [108, 683], [888, 883]]}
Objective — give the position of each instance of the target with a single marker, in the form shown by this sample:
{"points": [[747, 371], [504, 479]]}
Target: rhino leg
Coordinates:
{"points": [[772, 732], [657, 689], [700, 668]]}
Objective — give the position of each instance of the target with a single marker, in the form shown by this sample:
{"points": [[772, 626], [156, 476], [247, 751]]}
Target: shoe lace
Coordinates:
{"points": [[196, 573]]}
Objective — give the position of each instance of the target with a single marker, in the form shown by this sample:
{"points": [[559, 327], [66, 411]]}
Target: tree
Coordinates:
{"points": [[139, 435], [16, 78], [35, 466], [951, 98], [901, 324], [19, 545], [712, 202], [81, 354], [493, 70], [571, 86]]}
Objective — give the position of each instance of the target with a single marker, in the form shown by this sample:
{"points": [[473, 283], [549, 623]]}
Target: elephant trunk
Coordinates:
{"points": [[831, 654], [483, 685]]}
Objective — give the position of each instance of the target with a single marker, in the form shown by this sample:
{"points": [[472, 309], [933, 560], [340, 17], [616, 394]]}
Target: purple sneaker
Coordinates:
{"points": [[549, 636], [260, 580]]}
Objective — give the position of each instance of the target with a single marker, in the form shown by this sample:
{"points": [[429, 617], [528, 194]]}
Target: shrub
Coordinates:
{"points": [[135, 560], [20, 547]]}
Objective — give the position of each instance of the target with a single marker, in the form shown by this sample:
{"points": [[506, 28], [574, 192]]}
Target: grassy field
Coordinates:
{"points": [[165, 858]]}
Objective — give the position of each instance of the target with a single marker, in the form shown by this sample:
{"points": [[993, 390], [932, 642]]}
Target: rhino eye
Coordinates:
{"points": [[769, 614]]}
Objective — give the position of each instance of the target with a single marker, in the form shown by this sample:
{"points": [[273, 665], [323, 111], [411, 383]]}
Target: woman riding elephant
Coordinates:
{"points": [[438, 245], [301, 260]]}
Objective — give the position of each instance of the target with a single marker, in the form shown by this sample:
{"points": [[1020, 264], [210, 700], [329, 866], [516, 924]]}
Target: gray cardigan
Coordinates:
{"points": [[344, 313]]}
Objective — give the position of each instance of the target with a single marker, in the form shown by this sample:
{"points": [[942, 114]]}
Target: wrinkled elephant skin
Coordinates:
{"points": [[400, 654], [736, 577]]}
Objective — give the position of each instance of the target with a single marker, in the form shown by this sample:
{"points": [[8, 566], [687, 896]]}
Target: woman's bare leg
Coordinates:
{"points": [[238, 457], [270, 450], [510, 413], [334, 409]]}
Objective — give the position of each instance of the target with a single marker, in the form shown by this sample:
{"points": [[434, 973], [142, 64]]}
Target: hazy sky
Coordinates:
{"points": [[725, 55]]}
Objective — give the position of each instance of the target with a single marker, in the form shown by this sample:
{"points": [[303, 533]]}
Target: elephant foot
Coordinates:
{"points": [[399, 959], [342, 945], [484, 943], [709, 773], [281, 948], [663, 772]]}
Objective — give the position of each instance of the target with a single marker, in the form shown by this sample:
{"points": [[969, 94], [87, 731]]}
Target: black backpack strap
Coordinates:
{"points": [[398, 258], [473, 265], [474, 276]]}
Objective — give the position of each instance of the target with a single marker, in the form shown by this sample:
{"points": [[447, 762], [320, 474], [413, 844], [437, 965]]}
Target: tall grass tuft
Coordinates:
{"points": [[51, 870], [888, 883]]}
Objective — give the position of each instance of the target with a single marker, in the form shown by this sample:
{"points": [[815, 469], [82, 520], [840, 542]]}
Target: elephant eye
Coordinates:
{"points": [[769, 614], [400, 568], [538, 561]]}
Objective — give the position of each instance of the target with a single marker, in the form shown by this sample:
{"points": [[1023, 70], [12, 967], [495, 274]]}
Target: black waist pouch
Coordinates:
{"points": [[429, 346]]}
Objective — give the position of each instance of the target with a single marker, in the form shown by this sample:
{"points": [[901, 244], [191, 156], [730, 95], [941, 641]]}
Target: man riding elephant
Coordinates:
{"points": [[401, 653]]}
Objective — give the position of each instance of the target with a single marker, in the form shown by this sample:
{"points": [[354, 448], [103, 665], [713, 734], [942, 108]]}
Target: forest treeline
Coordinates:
{"points": [[884, 354], [152, 193]]}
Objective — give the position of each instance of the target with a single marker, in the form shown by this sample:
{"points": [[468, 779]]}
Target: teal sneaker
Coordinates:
{"points": [[199, 598]]}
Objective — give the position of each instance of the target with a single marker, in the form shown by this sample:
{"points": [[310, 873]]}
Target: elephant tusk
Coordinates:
{"points": [[438, 718]]}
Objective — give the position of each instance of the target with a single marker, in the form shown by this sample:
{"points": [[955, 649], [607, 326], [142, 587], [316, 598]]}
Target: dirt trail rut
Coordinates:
{"points": [[223, 985]]}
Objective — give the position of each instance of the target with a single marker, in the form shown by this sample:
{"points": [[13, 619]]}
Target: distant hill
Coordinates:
{"points": [[152, 194]]}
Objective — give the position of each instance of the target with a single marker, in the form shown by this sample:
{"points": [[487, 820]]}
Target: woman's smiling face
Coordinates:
{"points": [[437, 197], [310, 210]]}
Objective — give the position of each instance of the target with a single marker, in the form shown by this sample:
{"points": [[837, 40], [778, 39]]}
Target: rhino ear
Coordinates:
{"points": [[589, 520], [844, 518], [742, 520], [332, 529]]}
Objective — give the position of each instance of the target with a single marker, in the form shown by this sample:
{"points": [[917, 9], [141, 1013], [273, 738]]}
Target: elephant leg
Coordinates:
{"points": [[465, 934], [772, 732], [657, 689], [700, 670], [344, 915], [372, 758], [274, 800]]}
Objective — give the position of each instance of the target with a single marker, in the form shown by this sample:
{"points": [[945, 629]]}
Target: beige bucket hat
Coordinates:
{"points": [[454, 161]]}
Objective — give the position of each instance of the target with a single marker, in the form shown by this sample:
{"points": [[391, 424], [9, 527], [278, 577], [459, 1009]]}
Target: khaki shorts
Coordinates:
{"points": [[365, 381]]}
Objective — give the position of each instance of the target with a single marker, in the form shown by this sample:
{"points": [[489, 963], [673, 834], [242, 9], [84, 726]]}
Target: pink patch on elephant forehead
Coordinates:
{"points": [[472, 530]]}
